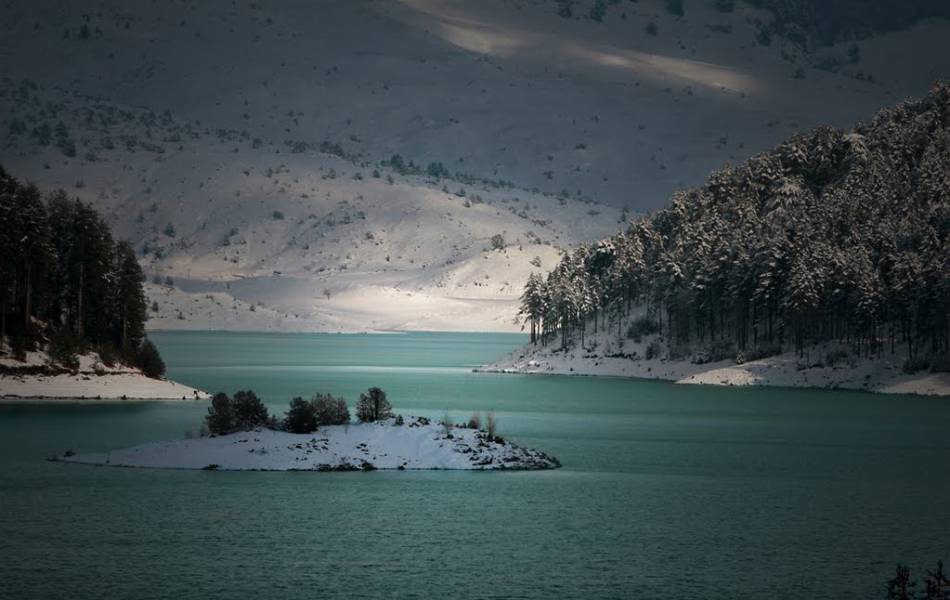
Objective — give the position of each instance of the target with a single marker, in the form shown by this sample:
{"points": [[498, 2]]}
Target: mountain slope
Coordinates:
{"points": [[236, 144]]}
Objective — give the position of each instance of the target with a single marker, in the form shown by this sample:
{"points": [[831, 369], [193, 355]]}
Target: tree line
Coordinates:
{"points": [[66, 283], [245, 411], [833, 235], [830, 22]]}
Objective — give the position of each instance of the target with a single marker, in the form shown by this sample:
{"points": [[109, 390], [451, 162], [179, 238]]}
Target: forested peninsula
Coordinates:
{"points": [[72, 306], [833, 246]]}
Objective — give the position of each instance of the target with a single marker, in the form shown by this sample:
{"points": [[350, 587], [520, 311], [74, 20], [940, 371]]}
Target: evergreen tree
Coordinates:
{"points": [[30, 255], [532, 305], [220, 418], [150, 360], [249, 411], [830, 236], [131, 307], [373, 406], [64, 279], [301, 417], [330, 410]]}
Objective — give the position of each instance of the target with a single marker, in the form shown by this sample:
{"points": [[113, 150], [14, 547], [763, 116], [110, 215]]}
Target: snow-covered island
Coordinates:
{"points": [[38, 379], [417, 443]]}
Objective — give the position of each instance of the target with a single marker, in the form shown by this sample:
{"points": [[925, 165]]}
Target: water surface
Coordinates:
{"points": [[666, 492]]}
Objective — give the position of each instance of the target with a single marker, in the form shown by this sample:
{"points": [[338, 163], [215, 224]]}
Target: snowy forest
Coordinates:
{"points": [[65, 283], [827, 22], [833, 235]]}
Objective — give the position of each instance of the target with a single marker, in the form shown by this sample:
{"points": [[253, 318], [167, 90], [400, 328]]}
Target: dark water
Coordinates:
{"points": [[667, 491]]}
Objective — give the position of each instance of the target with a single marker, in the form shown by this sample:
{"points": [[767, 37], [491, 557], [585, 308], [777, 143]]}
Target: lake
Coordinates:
{"points": [[667, 491]]}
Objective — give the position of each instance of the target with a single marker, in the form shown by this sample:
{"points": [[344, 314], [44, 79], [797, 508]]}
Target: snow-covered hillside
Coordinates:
{"points": [[366, 446], [307, 240], [247, 152]]}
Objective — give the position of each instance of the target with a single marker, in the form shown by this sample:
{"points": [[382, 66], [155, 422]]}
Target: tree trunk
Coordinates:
{"points": [[79, 313], [26, 304]]}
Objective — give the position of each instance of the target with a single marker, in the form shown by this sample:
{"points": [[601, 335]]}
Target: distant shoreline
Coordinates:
{"points": [[877, 375]]}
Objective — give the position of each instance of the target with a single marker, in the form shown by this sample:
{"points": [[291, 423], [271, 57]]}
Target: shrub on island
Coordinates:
{"points": [[249, 411], [242, 413], [330, 410], [475, 421], [246, 411], [301, 417], [220, 417], [324, 409], [373, 406]]}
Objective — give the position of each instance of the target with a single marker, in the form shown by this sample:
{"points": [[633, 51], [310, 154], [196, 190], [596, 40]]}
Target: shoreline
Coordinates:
{"points": [[36, 381], [496, 371], [91, 388], [15, 400], [875, 375]]}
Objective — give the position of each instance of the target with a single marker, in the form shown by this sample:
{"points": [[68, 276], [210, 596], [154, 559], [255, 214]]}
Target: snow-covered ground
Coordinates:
{"points": [[417, 444], [606, 354], [200, 134], [35, 380]]}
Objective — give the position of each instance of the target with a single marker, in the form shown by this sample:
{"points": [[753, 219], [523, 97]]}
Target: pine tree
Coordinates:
{"points": [[220, 417], [830, 236], [532, 304], [150, 360], [373, 406], [63, 279], [330, 410], [31, 254], [249, 411], [130, 304], [301, 417]]}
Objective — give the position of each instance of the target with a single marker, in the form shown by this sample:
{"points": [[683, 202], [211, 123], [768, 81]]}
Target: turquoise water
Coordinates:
{"points": [[666, 491]]}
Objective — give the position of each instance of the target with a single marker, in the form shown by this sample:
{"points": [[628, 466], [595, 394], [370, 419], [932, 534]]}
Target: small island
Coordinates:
{"points": [[316, 435]]}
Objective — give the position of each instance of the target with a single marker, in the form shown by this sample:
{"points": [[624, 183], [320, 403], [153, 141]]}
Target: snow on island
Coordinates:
{"points": [[418, 444], [37, 379]]}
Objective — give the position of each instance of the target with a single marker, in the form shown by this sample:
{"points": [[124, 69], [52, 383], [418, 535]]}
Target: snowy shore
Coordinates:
{"points": [[36, 381], [882, 375], [418, 444]]}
